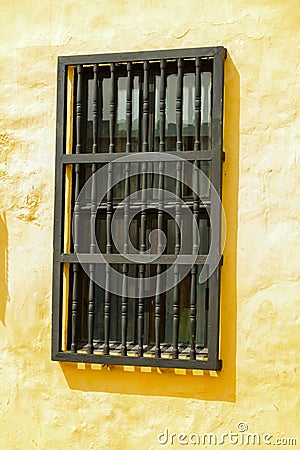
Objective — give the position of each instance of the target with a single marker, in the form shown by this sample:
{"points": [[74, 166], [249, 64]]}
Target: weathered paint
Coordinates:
{"points": [[49, 405]]}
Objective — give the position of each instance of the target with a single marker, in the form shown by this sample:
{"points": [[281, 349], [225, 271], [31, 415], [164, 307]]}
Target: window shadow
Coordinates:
{"points": [[4, 294], [196, 384]]}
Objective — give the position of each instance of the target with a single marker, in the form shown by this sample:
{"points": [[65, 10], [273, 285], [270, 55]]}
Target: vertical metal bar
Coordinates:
{"points": [[124, 311], [91, 309], [109, 206], [129, 107], [206, 293], [107, 297], [60, 142], [124, 307], [76, 267], [162, 111], [197, 105], [112, 112], [141, 311], [216, 179], [100, 113], [193, 295], [140, 115], [176, 311], [162, 105], [179, 104], [193, 311], [142, 266], [143, 213], [95, 110], [146, 108]]}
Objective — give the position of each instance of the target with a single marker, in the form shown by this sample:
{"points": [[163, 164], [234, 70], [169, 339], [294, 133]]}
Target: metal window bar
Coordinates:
{"points": [[162, 111], [197, 104], [107, 296], [91, 296], [109, 206], [213, 314], [76, 267], [146, 108], [124, 307], [124, 310], [143, 219], [193, 295], [176, 311]]}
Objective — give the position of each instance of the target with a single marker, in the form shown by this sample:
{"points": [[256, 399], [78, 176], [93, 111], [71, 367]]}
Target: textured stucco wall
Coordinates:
{"points": [[47, 405]]}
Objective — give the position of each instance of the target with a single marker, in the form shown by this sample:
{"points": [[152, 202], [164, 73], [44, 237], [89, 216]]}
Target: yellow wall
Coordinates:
{"points": [[47, 405]]}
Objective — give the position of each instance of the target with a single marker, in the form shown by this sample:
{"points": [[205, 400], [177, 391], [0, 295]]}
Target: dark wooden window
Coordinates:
{"points": [[150, 103]]}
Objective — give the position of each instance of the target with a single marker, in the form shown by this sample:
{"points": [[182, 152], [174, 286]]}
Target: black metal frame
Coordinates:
{"points": [[211, 359]]}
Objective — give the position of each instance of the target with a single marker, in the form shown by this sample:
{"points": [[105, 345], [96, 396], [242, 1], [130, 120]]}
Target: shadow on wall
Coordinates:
{"points": [[4, 295], [190, 383]]}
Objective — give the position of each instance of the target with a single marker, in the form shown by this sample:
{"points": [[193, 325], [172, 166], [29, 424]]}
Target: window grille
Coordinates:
{"points": [[164, 109]]}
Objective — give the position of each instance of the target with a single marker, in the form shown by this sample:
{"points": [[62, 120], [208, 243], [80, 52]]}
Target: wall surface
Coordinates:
{"points": [[47, 405]]}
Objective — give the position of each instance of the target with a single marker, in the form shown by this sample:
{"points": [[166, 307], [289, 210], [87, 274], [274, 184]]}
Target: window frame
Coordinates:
{"points": [[215, 155]]}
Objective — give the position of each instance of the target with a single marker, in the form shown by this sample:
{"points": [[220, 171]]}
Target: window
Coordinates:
{"points": [[137, 236]]}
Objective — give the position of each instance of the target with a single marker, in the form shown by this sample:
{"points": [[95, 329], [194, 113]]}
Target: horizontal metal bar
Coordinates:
{"points": [[204, 206], [88, 258], [89, 158], [106, 58], [138, 361]]}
